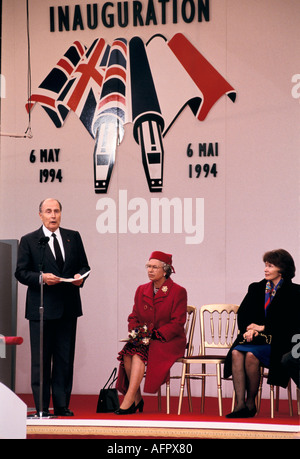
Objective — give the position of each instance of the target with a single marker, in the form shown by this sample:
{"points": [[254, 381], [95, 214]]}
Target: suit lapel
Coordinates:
{"points": [[148, 291]]}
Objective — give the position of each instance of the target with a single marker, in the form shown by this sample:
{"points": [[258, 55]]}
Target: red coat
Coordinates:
{"points": [[166, 313]]}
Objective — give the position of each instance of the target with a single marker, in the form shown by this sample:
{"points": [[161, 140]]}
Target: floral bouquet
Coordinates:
{"points": [[140, 335]]}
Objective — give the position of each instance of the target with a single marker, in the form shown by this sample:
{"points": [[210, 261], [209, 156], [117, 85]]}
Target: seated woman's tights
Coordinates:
{"points": [[246, 377]]}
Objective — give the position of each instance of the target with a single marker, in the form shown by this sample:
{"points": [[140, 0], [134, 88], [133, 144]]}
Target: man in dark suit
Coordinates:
{"points": [[39, 259]]}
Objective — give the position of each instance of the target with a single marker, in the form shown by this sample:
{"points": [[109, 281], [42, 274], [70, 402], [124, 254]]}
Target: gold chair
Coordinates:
{"points": [[263, 375], [189, 331], [224, 318]]}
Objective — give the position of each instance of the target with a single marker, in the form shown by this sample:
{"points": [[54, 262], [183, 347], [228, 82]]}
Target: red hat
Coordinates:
{"points": [[164, 257]]}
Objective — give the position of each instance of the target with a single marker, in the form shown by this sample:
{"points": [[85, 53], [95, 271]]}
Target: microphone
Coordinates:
{"points": [[44, 240], [42, 243]]}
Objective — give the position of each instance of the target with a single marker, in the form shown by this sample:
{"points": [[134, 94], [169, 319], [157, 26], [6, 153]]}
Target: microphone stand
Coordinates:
{"points": [[41, 310]]}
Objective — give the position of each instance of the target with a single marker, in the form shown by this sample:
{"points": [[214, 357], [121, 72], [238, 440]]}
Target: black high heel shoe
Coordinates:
{"points": [[139, 406], [242, 413], [129, 410]]}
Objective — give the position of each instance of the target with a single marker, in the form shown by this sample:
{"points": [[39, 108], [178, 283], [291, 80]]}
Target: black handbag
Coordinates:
{"points": [[108, 400], [259, 339]]}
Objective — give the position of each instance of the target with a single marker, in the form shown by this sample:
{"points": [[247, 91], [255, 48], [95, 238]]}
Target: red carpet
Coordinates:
{"points": [[84, 407]]}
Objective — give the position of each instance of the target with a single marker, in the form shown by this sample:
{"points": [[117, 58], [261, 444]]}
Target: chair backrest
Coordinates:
{"points": [[218, 326], [190, 328]]}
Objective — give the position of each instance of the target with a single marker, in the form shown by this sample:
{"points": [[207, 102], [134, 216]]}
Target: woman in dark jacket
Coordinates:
{"points": [[268, 318]]}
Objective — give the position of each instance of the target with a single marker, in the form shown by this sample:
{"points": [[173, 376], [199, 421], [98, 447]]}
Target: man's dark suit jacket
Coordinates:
{"points": [[34, 257]]}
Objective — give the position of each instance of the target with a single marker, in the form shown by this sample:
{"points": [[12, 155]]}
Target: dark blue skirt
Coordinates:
{"points": [[261, 351]]}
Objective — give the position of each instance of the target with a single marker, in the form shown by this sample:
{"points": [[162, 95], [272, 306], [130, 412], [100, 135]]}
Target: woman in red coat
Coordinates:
{"points": [[160, 308]]}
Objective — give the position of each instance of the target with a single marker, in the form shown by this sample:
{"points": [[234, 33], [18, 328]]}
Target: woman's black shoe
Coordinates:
{"points": [[252, 412], [242, 413], [129, 410], [139, 406]]}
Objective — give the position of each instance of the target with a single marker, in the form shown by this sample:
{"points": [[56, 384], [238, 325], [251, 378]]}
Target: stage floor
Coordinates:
{"points": [[86, 423]]}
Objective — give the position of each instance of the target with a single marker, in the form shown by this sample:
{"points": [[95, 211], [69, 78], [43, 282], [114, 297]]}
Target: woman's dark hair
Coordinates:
{"points": [[283, 260]]}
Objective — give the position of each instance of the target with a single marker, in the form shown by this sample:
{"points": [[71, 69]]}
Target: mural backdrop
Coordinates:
{"points": [[159, 125]]}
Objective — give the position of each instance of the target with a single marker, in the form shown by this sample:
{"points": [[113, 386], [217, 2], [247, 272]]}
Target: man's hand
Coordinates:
{"points": [[50, 279], [79, 282]]}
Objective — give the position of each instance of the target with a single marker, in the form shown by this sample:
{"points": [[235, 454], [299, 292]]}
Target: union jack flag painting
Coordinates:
{"points": [[146, 84], [52, 86]]}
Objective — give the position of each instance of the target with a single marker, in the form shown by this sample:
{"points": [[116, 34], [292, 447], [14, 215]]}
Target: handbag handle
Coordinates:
{"points": [[113, 377]]}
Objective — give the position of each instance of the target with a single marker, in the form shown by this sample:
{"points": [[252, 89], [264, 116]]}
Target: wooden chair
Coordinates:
{"points": [[189, 331], [264, 375], [224, 318]]}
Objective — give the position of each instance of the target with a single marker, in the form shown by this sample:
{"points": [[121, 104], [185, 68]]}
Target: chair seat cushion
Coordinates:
{"points": [[205, 358]]}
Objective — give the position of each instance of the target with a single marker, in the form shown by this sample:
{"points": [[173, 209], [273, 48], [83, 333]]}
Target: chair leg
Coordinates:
{"points": [[260, 389], [168, 396], [289, 392], [277, 398], [203, 388], [233, 400], [219, 383], [272, 400], [181, 387], [289, 398], [188, 387]]}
